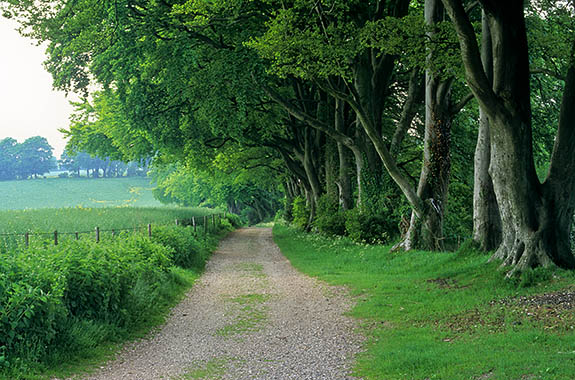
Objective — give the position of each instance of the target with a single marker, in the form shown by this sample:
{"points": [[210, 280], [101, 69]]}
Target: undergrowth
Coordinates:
{"points": [[78, 300], [445, 315]]}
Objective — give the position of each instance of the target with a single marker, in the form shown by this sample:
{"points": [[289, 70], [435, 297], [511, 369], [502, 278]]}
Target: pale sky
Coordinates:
{"points": [[28, 104]]}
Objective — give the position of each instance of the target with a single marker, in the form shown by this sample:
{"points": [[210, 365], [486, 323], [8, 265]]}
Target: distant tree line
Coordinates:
{"points": [[34, 157], [97, 167], [24, 160]]}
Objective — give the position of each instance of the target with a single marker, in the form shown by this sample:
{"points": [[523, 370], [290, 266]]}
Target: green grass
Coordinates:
{"points": [[438, 315], [74, 192], [212, 369], [86, 219], [249, 312]]}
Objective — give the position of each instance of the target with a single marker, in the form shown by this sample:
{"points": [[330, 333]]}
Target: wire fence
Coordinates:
{"points": [[200, 224]]}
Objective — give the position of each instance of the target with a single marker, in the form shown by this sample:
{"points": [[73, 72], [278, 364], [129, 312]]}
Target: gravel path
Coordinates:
{"points": [[250, 316]]}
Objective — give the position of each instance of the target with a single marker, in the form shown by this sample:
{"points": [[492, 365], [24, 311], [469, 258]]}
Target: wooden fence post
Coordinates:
{"points": [[177, 222], [149, 229], [97, 234], [194, 223], [27, 239], [77, 236], [55, 237]]}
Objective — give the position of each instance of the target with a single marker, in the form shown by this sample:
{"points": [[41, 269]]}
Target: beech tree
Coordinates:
{"points": [[536, 216]]}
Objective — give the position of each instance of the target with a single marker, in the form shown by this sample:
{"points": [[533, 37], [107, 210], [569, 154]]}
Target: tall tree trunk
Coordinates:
{"points": [[309, 160], [330, 167], [344, 174], [486, 219], [426, 230], [536, 218]]}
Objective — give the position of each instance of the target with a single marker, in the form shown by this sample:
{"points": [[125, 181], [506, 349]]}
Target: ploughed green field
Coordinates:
{"points": [[76, 192]]}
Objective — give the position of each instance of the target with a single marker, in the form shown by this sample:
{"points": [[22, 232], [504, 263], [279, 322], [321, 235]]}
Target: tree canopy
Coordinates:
{"points": [[347, 108], [31, 158]]}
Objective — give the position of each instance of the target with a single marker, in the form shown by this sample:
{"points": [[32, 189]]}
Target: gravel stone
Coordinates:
{"points": [[250, 316]]}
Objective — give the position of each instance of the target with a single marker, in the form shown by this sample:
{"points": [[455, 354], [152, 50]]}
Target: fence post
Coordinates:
{"points": [[194, 223], [149, 229], [55, 237], [97, 234], [77, 236], [205, 224], [27, 239], [177, 222], [214, 221]]}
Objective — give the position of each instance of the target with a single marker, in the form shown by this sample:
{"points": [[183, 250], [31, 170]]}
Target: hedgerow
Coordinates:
{"points": [[78, 294]]}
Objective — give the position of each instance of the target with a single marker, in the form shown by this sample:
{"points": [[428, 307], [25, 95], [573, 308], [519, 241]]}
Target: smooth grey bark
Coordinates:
{"points": [[344, 173], [426, 229], [330, 167], [486, 219], [309, 160], [536, 217], [415, 95]]}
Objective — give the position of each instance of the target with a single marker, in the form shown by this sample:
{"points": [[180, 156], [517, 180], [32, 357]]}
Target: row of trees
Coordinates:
{"points": [[31, 158], [96, 167], [377, 104], [34, 157]]}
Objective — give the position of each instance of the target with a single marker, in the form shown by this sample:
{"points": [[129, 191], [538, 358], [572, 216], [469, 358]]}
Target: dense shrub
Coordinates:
{"points": [[80, 293], [234, 220], [369, 228], [329, 219], [185, 249]]}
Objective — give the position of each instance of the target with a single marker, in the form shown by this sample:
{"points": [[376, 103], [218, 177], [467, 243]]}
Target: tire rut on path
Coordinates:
{"points": [[250, 316]]}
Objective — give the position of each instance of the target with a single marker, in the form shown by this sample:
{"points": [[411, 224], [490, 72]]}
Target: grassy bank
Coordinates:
{"points": [[64, 307], [445, 315]]}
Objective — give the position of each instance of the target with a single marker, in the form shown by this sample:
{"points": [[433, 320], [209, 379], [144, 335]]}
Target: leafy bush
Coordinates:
{"points": [[300, 213], [287, 211], [329, 219], [234, 220], [369, 228], [225, 226], [185, 250], [66, 298]]}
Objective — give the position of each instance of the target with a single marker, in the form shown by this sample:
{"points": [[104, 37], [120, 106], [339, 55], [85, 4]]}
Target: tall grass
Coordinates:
{"points": [[443, 315], [86, 219]]}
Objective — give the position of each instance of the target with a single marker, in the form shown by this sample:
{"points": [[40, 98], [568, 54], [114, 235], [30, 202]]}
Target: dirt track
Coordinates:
{"points": [[250, 316]]}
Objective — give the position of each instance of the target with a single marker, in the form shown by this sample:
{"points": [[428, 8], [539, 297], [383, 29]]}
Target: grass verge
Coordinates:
{"points": [[445, 315]]}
